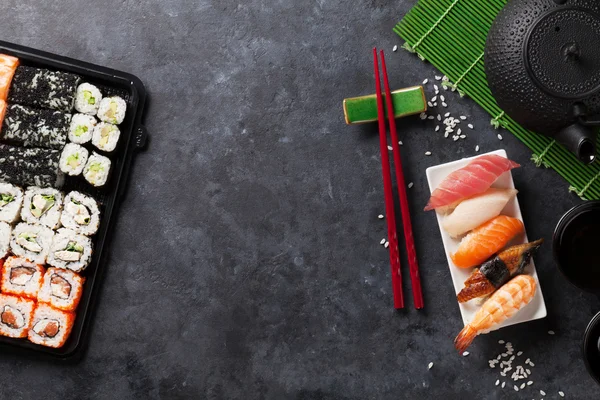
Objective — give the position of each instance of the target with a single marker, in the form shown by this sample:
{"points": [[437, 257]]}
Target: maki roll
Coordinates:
{"points": [[21, 277], [81, 128], [43, 88], [30, 127], [112, 110], [15, 315], [50, 327], [11, 199], [73, 159], [80, 214], [61, 289], [5, 231], [42, 206], [30, 166], [87, 99], [96, 170], [106, 136], [70, 250], [31, 242]]}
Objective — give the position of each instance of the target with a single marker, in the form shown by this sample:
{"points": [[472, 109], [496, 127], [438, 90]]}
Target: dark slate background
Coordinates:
{"points": [[246, 262]]}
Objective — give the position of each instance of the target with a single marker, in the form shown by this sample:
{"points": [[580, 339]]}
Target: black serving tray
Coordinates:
{"points": [[133, 138]]}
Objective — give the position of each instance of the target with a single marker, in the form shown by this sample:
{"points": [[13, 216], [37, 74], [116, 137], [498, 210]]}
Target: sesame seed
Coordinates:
{"points": [[499, 136], [439, 117], [463, 118], [390, 148], [466, 353], [435, 87], [382, 241], [470, 126], [423, 115], [386, 245], [550, 332], [532, 364], [504, 354], [425, 81], [430, 117], [463, 136], [395, 48], [437, 128], [430, 365], [444, 104], [429, 104], [446, 134], [442, 98], [380, 216], [458, 131], [445, 87], [512, 358], [503, 384], [447, 115], [522, 386], [561, 393], [529, 383], [542, 393], [497, 382], [435, 104], [477, 148], [455, 138], [410, 185], [427, 153], [527, 371], [499, 341], [400, 142], [516, 388], [438, 78], [519, 353], [434, 98], [503, 373]]}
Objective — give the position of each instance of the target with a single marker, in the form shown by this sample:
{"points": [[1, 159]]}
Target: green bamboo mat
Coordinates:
{"points": [[451, 35]]}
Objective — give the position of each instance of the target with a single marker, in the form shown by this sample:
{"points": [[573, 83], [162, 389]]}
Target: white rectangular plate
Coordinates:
{"points": [[536, 309]]}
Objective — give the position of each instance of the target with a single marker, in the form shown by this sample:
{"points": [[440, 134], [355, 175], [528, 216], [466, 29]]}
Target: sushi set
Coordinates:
{"points": [[485, 242], [69, 131]]}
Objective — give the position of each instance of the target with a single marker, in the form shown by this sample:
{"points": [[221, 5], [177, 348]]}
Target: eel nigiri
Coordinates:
{"points": [[476, 177], [503, 304], [495, 272], [484, 241], [472, 212]]}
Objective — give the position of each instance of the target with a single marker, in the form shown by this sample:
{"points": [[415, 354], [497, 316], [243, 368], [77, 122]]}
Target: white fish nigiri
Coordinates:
{"points": [[474, 211]]}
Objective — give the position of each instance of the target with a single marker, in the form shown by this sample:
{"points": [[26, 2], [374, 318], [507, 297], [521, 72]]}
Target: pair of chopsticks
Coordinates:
{"points": [[389, 197]]}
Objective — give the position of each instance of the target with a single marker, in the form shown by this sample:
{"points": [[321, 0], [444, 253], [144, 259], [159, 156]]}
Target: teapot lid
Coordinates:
{"points": [[562, 52]]}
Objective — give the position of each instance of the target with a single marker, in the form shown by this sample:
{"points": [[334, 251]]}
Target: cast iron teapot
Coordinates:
{"points": [[542, 61]]}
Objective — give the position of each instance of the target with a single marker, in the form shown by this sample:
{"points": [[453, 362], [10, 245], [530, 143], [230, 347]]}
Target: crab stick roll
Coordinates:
{"points": [[21, 277], [70, 250], [42, 206], [61, 289], [50, 327], [31, 241], [80, 214], [16, 314]]}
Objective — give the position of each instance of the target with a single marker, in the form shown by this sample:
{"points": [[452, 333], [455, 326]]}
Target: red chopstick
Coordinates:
{"points": [[388, 195], [406, 223]]}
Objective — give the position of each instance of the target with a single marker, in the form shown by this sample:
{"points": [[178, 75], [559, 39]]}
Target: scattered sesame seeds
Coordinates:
{"points": [[458, 131], [444, 104], [520, 353], [522, 386], [463, 118], [395, 48], [499, 137], [528, 371], [390, 148], [425, 81], [550, 332], [447, 115], [427, 153], [466, 353], [386, 245], [463, 136], [410, 185], [438, 78], [439, 117], [503, 384], [382, 241], [528, 361], [542, 393], [455, 138], [434, 98], [446, 134], [529, 383], [470, 126], [499, 341], [516, 388], [442, 98], [477, 148], [437, 128], [561, 393], [430, 365], [497, 382], [380, 216], [435, 87]]}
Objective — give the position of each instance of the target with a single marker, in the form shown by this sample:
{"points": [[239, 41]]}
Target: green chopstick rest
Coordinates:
{"points": [[409, 101]]}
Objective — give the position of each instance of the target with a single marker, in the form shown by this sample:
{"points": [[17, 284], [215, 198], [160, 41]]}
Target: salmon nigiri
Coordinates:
{"points": [[9, 61], [484, 241], [476, 177], [495, 272], [6, 75], [503, 304], [2, 111]]}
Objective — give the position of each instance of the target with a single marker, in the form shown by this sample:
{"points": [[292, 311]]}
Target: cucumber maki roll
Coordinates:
{"points": [[70, 250], [80, 214], [112, 110], [73, 159], [42, 206], [96, 170], [106, 136], [87, 99], [31, 242], [11, 199], [81, 128]]}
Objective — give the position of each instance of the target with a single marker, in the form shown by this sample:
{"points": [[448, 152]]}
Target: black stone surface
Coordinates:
{"points": [[246, 262]]}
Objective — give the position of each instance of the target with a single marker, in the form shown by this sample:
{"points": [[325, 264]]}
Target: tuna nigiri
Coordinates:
{"points": [[486, 240], [472, 212], [468, 181], [495, 272], [503, 304]]}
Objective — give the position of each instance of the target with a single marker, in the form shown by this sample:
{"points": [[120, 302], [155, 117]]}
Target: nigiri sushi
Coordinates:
{"points": [[495, 272], [484, 241], [472, 212], [476, 177], [9, 61], [2, 111], [8, 66], [503, 304]]}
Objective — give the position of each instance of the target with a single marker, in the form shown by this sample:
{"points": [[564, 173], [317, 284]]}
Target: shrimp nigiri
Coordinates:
{"points": [[503, 304], [495, 272]]}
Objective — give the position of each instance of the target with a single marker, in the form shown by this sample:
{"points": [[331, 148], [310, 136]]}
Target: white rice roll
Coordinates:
{"points": [[73, 159], [106, 136], [112, 109], [50, 327], [81, 214], [11, 199], [16, 314], [81, 128], [5, 231], [87, 99], [31, 242], [70, 250], [42, 206], [96, 170]]}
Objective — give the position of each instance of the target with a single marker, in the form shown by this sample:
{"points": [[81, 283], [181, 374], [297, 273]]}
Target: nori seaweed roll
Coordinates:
{"points": [[31, 127], [30, 166], [43, 88]]}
